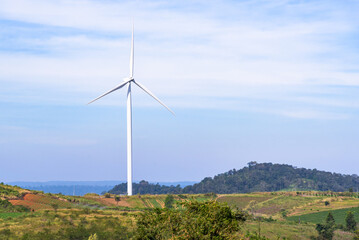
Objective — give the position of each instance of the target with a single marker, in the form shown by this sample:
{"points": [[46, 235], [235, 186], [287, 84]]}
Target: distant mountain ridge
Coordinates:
{"points": [[257, 177], [65, 183]]}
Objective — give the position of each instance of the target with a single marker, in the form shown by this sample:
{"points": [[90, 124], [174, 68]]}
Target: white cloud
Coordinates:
{"points": [[314, 115]]}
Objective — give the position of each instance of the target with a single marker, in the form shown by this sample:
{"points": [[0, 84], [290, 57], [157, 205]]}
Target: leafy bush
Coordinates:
{"points": [[197, 220]]}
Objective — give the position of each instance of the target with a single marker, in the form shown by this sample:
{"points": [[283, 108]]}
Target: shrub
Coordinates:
{"points": [[91, 195], [212, 194], [182, 196], [350, 221], [197, 220], [326, 231]]}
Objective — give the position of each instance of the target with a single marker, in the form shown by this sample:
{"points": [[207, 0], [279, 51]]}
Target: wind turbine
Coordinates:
{"points": [[128, 81]]}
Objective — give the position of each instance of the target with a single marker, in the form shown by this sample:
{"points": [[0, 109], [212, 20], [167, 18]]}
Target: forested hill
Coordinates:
{"points": [[268, 177], [258, 177]]}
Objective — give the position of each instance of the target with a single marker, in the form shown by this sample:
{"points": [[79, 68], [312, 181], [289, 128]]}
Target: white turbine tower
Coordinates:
{"points": [[128, 81]]}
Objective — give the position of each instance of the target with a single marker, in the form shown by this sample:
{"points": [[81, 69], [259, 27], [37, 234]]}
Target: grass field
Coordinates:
{"points": [[281, 229], [319, 217], [11, 214]]}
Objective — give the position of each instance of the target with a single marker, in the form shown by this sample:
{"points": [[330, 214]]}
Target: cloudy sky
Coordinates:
{"points": [[267, 81]]}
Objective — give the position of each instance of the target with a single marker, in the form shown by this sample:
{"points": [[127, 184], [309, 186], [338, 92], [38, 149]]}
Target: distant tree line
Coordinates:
{"points": [[144, 187], [257, 177]]}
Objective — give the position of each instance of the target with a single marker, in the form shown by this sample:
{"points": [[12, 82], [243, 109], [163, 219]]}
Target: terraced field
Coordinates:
{"points": [[243, 201], [283, 203], [319, 205], [139, 202], [110, 202]]}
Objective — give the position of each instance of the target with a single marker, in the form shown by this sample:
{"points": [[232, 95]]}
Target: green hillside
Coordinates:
{"points": [[268, 177]]}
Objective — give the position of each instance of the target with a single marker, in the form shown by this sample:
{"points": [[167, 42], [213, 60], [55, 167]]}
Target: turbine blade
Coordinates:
{"points": [[112, 90], [132, 53], [152, 95]]}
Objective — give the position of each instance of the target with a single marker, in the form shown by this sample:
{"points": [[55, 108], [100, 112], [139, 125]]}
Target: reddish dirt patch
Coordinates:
{"points": [[37, 202], [110, 202]]}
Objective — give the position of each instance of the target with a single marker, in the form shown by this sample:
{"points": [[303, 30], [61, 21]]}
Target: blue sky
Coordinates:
{"points": [[266, 81]]}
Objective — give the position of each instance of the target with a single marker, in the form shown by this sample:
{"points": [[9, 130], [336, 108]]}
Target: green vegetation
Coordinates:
{"points": [[8, 191]]}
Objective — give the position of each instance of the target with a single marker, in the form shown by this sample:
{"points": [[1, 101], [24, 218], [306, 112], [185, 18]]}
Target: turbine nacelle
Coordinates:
{"points": [[129, 80]]}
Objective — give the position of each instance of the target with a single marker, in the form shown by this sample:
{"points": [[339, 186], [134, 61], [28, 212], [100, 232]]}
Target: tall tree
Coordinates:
{"points": [[350, 222], [326, 231], [330, 221], [169, 201]]}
